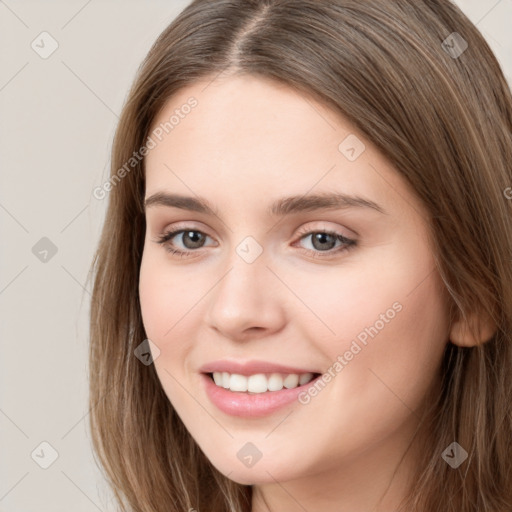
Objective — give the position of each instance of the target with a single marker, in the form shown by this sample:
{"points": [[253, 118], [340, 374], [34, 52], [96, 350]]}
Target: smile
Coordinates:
{"points": [[280, 390], [260, 382]]}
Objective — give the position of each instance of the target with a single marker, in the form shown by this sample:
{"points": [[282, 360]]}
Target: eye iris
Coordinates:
{"points": [[320, 237], [195, 243]]}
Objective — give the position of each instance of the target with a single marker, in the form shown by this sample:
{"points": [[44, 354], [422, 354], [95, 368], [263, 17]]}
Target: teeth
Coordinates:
{"points": [[256, 383], [275, 382], [305, 378], [260, 382], [237, 382], [291, 381]]}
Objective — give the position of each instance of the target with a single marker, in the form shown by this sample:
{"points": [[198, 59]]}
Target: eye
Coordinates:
{"points": [[324, 241], [192, 239]]}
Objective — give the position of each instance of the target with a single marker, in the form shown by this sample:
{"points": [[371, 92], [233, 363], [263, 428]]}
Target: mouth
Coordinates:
{"points": [[261, 382], [255, 395]]}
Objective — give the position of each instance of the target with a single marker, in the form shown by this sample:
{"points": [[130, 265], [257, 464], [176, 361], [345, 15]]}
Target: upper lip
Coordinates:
{"points": [[250, 367]]}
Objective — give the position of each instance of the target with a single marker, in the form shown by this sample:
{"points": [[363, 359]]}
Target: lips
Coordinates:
{"points": [[252, 367], [237, 402]]}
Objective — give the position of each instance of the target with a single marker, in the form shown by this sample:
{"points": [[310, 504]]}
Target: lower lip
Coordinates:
{"points": [[250, 405]]}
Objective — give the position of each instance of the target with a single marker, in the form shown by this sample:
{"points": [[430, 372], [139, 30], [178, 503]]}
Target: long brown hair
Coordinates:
{"points": [[441, 113]]}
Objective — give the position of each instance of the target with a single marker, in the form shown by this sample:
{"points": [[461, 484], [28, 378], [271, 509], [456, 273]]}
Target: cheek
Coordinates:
{"points": [[153, 301], [388, 322], [395, 333], [382, 381], [164, 308], [365, 303], [165, 297]]}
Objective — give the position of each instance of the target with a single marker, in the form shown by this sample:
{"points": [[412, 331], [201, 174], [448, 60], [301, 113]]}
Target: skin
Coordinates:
{"points": [[248, 142]]}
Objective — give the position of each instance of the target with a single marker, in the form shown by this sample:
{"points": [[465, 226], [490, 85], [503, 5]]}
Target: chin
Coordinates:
{"points": [[262, 472]]}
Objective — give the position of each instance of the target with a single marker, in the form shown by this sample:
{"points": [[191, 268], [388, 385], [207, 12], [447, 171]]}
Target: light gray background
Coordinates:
{"points": [[57, 121]]}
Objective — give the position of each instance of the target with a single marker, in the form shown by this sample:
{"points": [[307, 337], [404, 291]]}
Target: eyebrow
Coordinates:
{"points": [[281, 207]]}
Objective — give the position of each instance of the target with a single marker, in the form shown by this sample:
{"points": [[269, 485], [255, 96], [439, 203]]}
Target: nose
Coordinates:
{"points": [[248, 300]]}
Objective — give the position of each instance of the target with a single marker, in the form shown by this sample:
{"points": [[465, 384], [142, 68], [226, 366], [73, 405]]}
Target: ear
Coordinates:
{"points": [[478, 329]]}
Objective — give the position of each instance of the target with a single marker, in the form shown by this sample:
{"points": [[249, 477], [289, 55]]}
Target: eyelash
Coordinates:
{"points": [[349, 243]]}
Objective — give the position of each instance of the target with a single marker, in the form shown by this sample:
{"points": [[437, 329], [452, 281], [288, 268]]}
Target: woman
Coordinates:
{"points": [[240, 364]]}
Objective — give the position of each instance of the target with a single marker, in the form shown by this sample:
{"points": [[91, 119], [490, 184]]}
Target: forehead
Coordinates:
{"points": [[249, 132], [245, 115]]}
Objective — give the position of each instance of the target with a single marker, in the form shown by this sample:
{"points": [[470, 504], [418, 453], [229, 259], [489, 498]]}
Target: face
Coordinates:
{"points": [[321, 320]]}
